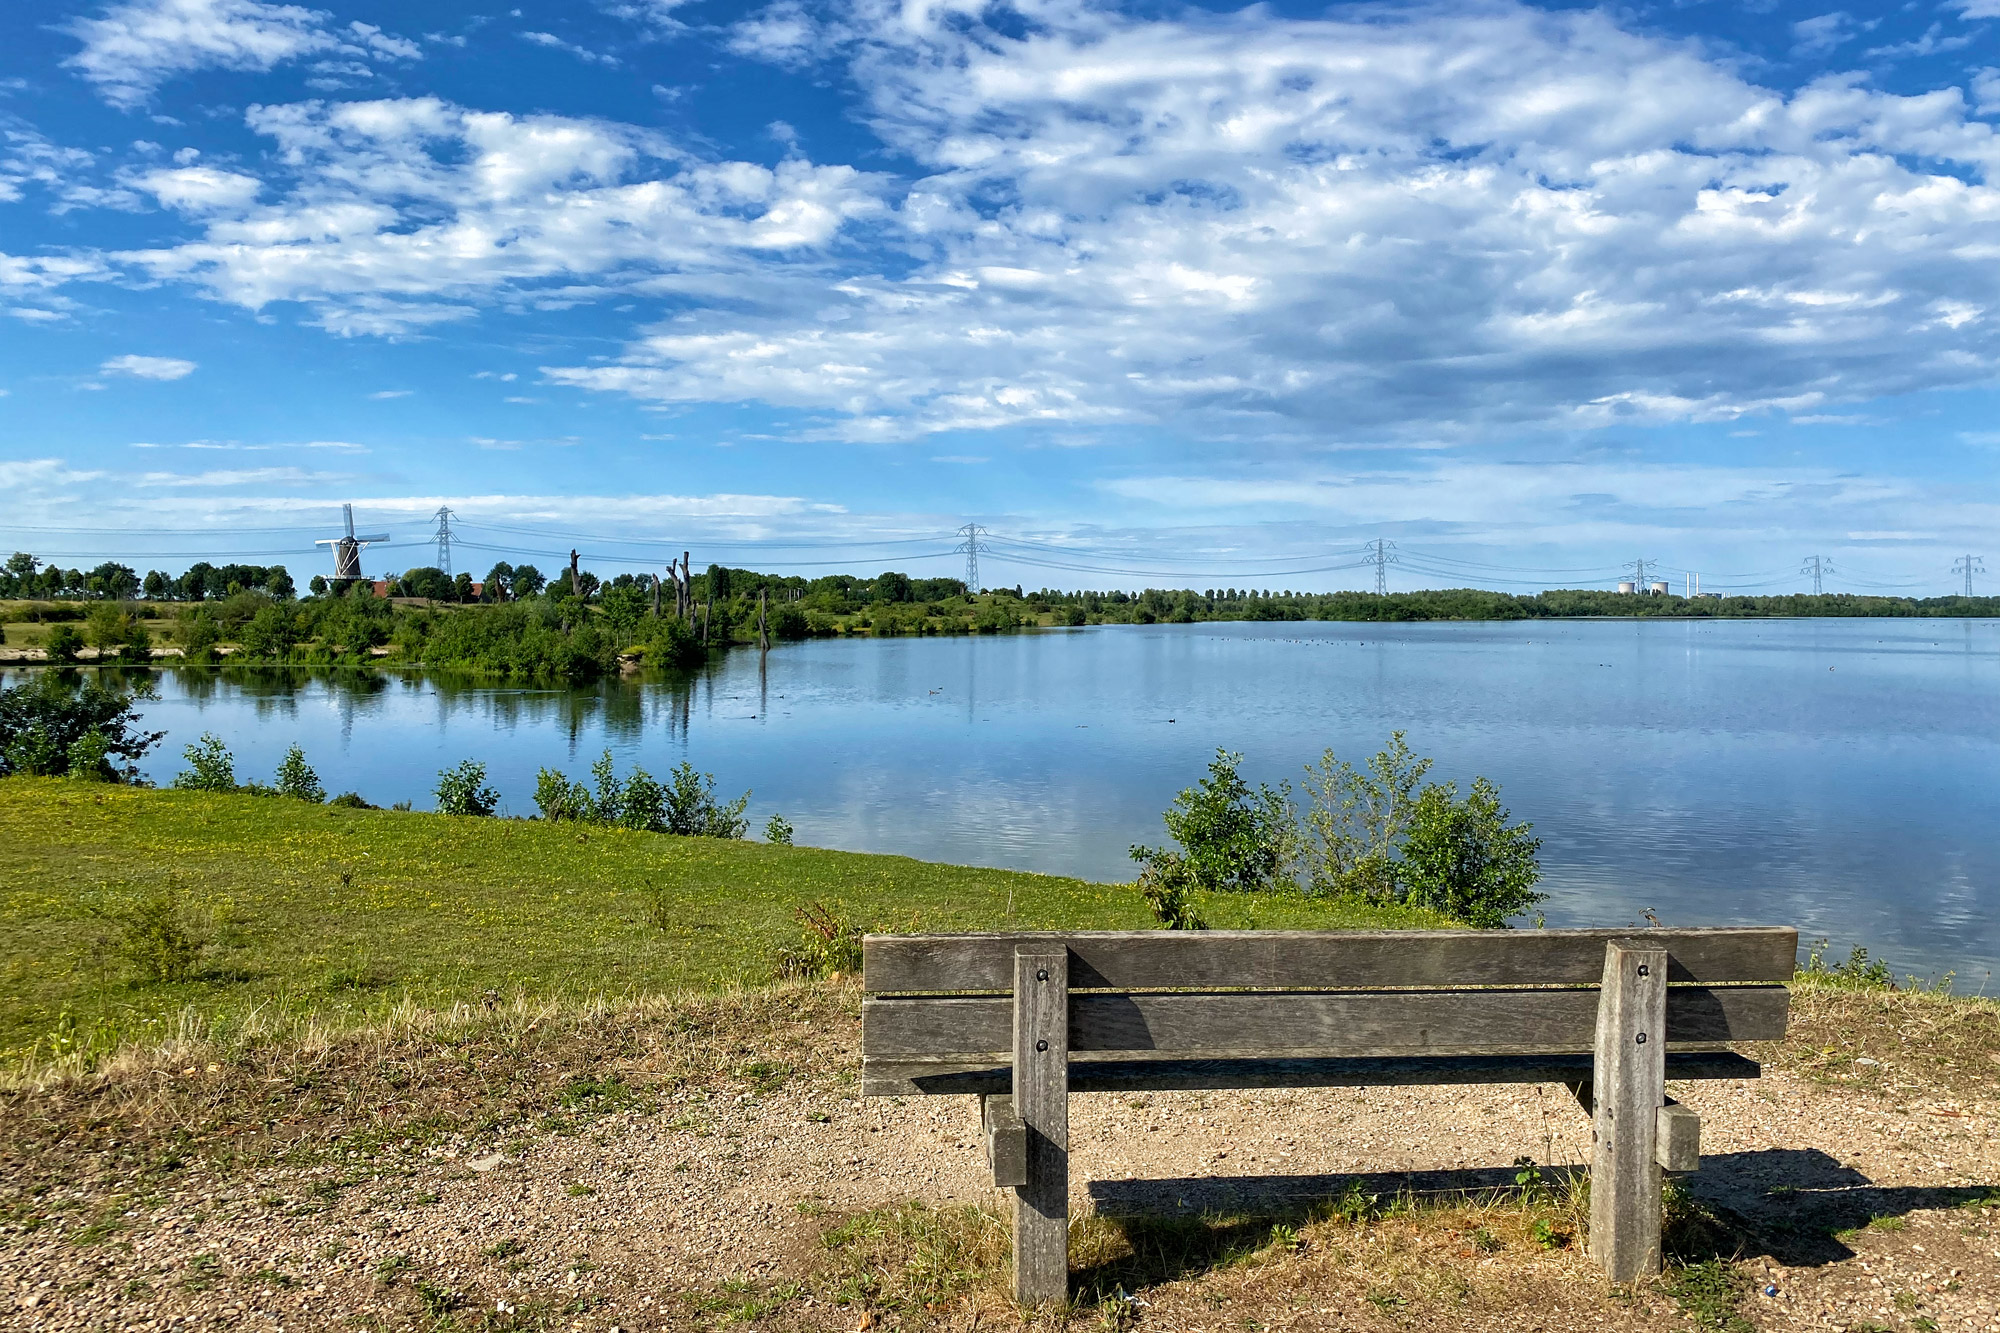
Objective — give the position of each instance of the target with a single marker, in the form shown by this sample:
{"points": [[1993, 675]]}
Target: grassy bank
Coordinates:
{"points": [[341, 915]]}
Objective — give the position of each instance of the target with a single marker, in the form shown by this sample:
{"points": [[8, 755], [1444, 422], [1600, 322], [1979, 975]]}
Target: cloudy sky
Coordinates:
{"points": [[1157, 293]]}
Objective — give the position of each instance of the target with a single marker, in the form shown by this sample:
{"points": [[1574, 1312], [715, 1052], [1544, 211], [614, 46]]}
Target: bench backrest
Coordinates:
{"points": [[939, 1012]]}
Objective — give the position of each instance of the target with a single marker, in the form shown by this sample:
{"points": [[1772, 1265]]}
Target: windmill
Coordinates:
{"points": [[347, 550]]}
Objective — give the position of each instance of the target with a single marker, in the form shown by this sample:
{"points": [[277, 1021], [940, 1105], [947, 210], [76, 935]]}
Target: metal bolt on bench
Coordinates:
{"points": [[1023, 1020]]}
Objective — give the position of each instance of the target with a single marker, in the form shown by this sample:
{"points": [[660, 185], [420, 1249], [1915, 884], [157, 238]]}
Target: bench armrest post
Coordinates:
{"points": [[1006, 1140], [1041, 1101], [1628, 1088]]}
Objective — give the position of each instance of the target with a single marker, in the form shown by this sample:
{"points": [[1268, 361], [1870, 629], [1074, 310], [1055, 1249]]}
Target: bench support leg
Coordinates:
{"points": [[1628, 1088], [1041, 1101]]}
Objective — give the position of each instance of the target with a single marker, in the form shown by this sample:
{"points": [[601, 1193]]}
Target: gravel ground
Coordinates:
{"points": [[709, 1201]]}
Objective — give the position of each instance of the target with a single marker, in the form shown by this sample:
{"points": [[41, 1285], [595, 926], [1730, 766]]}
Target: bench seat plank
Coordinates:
{"points": [[1263, 959], [911, 1078], [1306, 1023]]}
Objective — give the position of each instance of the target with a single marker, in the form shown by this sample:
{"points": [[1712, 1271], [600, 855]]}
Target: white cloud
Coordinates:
{"points": [[148, 367], [246, 476], [391, 393], [1986, 91], [556, 43], [411, 212], [133, 47], [1978, 9], [200, 189], [1409, 223]]}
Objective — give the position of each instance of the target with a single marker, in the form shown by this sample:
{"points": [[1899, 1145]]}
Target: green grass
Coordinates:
{"points": [[344, 914]]}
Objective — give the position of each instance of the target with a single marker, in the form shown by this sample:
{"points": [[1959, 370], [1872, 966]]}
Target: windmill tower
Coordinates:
{"points": [[347, 550]]}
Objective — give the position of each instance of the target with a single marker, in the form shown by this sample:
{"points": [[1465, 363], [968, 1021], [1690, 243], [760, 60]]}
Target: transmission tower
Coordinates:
{"points": [[444, 517], [1383, 553], [1817, 565], [1969, 565], [1638, 568], [969, 548]]}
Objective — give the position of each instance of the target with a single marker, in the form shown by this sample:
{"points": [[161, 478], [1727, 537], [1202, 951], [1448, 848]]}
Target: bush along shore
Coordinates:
{"points": [[518, 624]]}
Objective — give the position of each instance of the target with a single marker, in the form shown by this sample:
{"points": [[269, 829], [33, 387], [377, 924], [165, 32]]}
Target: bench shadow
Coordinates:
{"points": [[1791, 1205]]}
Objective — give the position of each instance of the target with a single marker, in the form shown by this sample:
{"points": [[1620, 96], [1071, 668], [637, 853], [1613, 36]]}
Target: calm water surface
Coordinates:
{"points": [[1840, 775]]}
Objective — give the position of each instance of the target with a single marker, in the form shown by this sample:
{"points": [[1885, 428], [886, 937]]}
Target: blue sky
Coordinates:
{"points": [[1160, 294]]}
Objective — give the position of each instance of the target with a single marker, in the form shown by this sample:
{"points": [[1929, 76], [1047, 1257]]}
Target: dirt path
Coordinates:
{"points": [[715, 1201]]}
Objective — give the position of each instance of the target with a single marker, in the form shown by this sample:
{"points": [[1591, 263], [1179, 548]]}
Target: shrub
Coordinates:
{"points": [[297, 780], [63, 644], [351, 800], [1168, 888], [198, 633], [158, 939], [32, 753], [1355, 821], [1462, 858], [462, 790], [778, 829], [42, 719], [1858, 972], [1232, 838], [828, 943], [89, 757], [692, 811], [558, 798], [210, 766]]}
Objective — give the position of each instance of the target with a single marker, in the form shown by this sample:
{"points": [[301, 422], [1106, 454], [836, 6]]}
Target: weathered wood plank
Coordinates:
{"points": [[1324, 959], [913, 1078], [1627, 1093], [1006, 1140], [1678, 1137], [1041, 1100], [1305, 1023]]}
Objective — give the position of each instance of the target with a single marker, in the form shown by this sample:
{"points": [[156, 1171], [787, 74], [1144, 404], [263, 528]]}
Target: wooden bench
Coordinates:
{"points": [[1023, 1020]]}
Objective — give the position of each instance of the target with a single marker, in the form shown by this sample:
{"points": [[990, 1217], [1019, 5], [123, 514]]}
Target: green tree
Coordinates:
{"points": [[210, 766], [1232, 838], [778, 829], [1464, 858], [63, 645], [691, 810], [462, 790], [296, 779], [1355, 821], [42, 720]]}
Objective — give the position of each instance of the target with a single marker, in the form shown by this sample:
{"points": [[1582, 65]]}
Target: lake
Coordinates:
{"points": [[1841, 775]]}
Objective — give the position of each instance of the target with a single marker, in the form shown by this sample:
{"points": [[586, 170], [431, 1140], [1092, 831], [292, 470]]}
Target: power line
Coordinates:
{"points": [[1382, 554], [1969, 565], [1818, 566], [444, 517], [971, 533]]}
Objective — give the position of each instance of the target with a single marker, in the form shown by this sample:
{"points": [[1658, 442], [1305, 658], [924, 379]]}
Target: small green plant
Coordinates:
{"points": [[581, 1191], [1484, 1241], [828, 943], [350, 800], [778, 829], [210, 766], [1709, 1293], [437, 1301], [505, 1249], [1168, 888], [157, 937], [392, 1268], [1528, 1180], [462, 790], [1857, 972], [296, 779], [1548, 1234]]}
